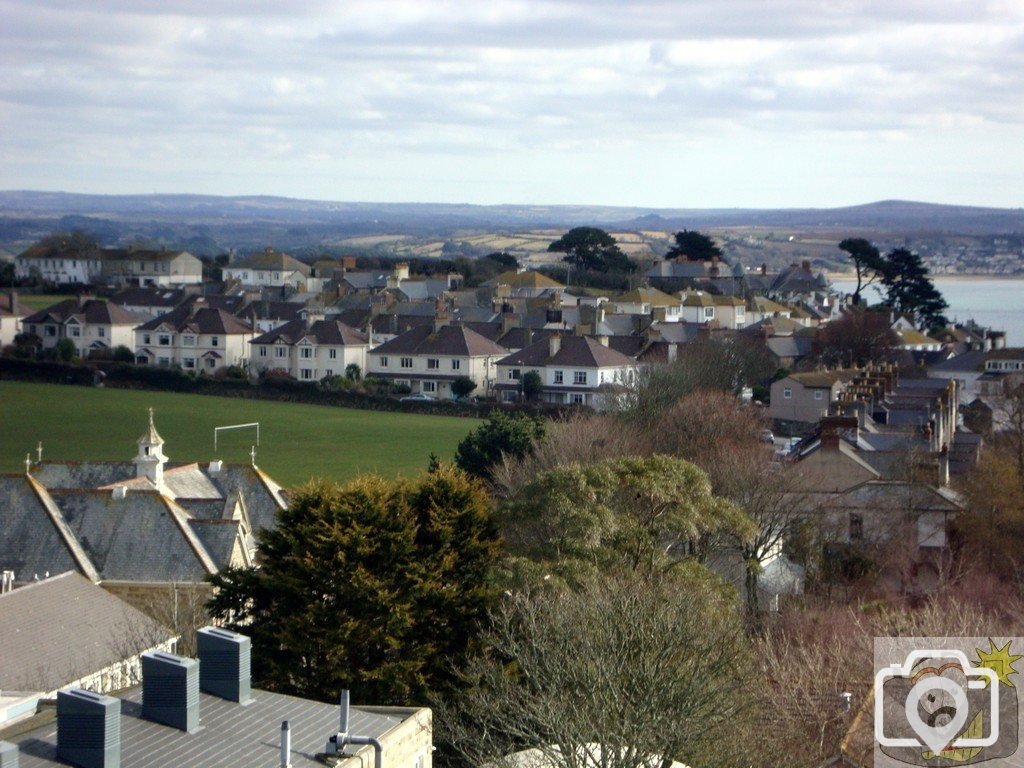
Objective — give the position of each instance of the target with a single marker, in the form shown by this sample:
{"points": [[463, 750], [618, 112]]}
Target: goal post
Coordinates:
{"points": [[218, 430]]}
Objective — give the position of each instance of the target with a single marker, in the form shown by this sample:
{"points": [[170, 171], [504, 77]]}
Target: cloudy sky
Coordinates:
{"points": [[669, 103]]}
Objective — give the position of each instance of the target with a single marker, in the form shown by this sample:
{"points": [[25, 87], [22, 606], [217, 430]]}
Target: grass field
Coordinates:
{"points": [[296, 441], [37, 301]]}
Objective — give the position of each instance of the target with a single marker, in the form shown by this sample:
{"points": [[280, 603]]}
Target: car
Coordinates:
{"points": [[767, 436], [419, 397]]}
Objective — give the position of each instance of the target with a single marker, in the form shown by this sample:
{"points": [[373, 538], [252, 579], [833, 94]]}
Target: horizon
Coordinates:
{"points": [[694, 105]]}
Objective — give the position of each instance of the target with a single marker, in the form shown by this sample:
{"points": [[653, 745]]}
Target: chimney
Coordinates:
{"points": [[224, 663], [944, 466], [509, 321], [603, 339], [834, 428], [806, 265], [88, 729], [554, 344], [401, 271], [170, 690], [764, 269], [8, 755], [215, 466], [120, 491], [286, 745]]}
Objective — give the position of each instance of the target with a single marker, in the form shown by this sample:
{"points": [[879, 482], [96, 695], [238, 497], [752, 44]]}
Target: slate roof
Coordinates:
{"points": [[167, 298], [525, 279], [332, 332], [650, 296], [30, 544], [64, 628], [230, 735], [198, 319], [270, 260], [91, 311], [823, 379], [573, 352], [456, 340], [125, 254]]}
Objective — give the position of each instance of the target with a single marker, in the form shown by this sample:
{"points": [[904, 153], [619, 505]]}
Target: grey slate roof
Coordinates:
{"points": [[64, 628], [197, 318], [448, 340], [321, 332], [230, 735], [29, 542], [92, 311], [574, 351]]}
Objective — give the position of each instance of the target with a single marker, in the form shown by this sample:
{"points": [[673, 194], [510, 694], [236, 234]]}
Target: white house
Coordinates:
{"points": [[134, 266], [92, 324], [650, 301], [309, 351], [268, 270], [579, 370], [428, 358], [703, 307], [49, 267], [194, 337], [11, 314]]}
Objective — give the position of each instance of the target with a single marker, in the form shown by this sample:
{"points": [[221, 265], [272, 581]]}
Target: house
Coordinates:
{"points": [[11, 313], [194, 337], [309, 351], [143, 267], [581, 370], [66, 631], [702, 307], [651, 302], [800, 400], [135, 527], [61, 268], [268, 269], [523, 283], [151, 301], [204, 712], [428, 358], [981, 374], [92, 324]]}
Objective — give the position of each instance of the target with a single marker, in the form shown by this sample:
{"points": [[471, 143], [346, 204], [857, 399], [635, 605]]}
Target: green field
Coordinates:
{"points": [[296, 441], [37, 301]]}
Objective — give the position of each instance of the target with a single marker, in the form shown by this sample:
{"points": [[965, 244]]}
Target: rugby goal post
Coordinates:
{"points": [[218, 430]]}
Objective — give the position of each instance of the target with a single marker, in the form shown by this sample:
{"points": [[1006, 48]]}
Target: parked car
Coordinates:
{"points": [[419, 397]]}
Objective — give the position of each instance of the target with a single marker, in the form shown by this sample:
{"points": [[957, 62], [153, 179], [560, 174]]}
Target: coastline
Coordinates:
{"points": [[967, 278]]}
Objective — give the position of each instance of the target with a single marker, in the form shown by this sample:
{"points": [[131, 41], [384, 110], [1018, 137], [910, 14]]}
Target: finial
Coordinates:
{"points": [[151, 416], [39, 452], [28, 463], [252, 455]]}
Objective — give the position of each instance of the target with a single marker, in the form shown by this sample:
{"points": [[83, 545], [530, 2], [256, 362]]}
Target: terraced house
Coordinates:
{"points": [[309, 351], [134, 266], [194, 337]]}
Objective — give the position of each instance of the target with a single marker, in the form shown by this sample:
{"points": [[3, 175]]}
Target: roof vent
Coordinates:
{"points": [[215, 466], [170, 690], [120, 491], [224, 663], [8, 755], [88, 729]]}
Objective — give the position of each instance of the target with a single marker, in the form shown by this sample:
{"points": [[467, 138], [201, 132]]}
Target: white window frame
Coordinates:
{"points": [[579, 378], [787, 393]]}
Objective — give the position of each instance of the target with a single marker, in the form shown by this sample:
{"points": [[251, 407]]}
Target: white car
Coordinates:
{"points": [[419, 397]]}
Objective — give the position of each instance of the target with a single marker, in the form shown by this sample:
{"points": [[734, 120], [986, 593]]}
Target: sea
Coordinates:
{"points": [[997, 303]]}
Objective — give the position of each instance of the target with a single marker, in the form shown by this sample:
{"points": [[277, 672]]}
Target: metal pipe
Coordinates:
{"points": [[378, 748], [286, 745], [344, 711]]}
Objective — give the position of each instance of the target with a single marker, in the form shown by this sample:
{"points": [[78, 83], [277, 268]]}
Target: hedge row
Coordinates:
{"points": [[128, 376]]}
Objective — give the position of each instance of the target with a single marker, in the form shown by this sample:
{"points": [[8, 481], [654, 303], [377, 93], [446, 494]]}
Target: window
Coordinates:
{"points": [[306, 374], [280, 351], [305, 352], [429, 386], [211, 363], [856, 527], [101, 331], [75, 331], [51, 330], [579, 377], [146, 338], [263, 351], [709, 313], [405, 362], [164, 340], [383, 362], [787, 393], [456, 365], [433, 363], [215, 341], [189, 363], [577, 398], [332, 354], [818, 394], [559, 377], [188, 340], [514, 374], [167, 361]]}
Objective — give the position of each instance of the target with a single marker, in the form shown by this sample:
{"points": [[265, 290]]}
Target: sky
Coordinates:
{"points": [[652, 103]]}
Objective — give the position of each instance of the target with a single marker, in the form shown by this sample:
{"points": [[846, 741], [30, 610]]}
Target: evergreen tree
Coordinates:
{"points": [[909, 289], [867, 263], [501, 434], [693, 246], [592, 249]]}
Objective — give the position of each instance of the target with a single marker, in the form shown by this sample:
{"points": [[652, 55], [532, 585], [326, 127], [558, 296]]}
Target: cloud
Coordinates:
{"points": [[507, 86]]}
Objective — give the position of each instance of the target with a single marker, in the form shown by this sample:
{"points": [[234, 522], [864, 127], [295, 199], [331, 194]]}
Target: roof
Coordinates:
{"points": [[231, 735], [333, 332], [270, 260], [573, 351], [61, 629], [455, 339], [525, 279], [123, 254], [823, 379], [90, 311], [198, 318], [914, 336], [168, 298], [650, 296]]}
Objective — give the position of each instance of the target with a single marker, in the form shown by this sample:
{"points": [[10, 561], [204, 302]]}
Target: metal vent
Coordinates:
{"points": [[8, 755], [170, 690], [88, 729], [224, 663]]}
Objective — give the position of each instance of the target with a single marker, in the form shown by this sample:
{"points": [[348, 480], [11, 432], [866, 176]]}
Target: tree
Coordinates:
{"points": [[867, 263], [620, 512], [68, 244], [909, 289], [622, 673], [462, 386], [593, 249], [501, 435], [860, 336], [693, 246], [503, 259], [532, 385], [65, 350], [353, 372], [123, 354], [369, 585], [7, 274]]}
